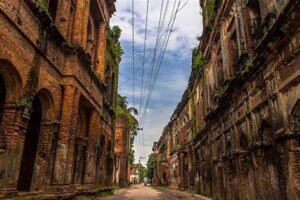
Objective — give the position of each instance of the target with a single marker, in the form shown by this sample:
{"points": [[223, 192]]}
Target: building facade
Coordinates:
{"points": [[245, 97], [122, 147], [57, 98]]}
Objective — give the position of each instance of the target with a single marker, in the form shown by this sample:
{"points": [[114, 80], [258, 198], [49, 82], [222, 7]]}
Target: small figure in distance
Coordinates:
{"points": [[145, 181]]}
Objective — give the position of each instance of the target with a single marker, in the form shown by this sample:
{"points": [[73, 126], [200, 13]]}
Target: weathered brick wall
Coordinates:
{"points": [[247, 105], [252, 123], [38, 59], [121, 148]]}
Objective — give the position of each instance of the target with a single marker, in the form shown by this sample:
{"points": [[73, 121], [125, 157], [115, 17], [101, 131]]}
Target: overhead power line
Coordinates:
{"points": [[133, 51]]}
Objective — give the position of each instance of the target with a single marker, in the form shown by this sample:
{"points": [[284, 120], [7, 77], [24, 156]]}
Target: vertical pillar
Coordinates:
{"points": [[81, 23], [85, 20], [65, 148], [101, 48], [63, 16]]}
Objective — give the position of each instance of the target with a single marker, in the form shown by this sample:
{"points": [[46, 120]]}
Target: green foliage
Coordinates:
{"points": [[24, 102], [114, 50], [42, 4], [150, 164], [143, 172], [197, 60], [123, 111], [209, 13], [249, 61]]}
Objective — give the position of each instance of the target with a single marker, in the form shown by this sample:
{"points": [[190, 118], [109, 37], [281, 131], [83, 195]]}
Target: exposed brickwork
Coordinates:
{"points": [[122, 147], [48, 65], [243, 104]]}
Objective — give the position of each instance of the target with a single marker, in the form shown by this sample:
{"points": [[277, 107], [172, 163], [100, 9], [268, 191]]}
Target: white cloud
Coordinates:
{"points": [[186, 27]]}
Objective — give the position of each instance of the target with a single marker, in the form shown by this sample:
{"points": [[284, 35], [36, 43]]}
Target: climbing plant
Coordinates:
{"points": [[114, 50], [197, 60], [210, 12], [113, 55]]}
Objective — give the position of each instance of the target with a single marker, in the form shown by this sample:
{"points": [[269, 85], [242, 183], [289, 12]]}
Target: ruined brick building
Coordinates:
{"points": [[244, 97], [122, 148], [57, 98]]}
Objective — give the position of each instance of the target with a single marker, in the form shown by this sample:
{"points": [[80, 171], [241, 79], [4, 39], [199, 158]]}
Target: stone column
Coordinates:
{"points": [[65, 148], [101, 48]]}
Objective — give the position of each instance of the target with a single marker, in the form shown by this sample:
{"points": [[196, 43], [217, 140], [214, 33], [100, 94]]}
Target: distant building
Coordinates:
{"points": [[135, 174]]}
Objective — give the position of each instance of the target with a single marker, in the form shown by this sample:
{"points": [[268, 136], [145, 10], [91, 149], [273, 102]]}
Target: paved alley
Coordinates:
{"points": [[140, 192]]}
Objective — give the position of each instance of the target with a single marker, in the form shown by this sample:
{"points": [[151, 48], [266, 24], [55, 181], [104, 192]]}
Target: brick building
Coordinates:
{"points": [[57, 98], [122, 148], [245, 97]]}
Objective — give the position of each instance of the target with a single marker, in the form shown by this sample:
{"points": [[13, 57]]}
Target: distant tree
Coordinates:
{"points": [[143, 172], [150, 164]]}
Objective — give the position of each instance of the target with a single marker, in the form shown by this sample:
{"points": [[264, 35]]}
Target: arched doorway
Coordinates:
{"points": [[2, 97], [81, 141], [30, 146]]}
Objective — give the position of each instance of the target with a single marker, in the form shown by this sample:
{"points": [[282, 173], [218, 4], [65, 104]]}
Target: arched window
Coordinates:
{"points": [[52, 8]]}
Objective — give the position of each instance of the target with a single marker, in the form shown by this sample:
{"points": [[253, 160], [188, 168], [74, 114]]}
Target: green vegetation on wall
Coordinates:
{"points": [[113, 56], [114, 50], [209, 13], [197, 60]]}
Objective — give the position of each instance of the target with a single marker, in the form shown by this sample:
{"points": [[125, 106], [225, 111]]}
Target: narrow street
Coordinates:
{"points": [[138, 192]]}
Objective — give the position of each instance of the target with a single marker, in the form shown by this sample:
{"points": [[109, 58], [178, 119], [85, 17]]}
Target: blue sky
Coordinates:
{"points": [[175, 69]]}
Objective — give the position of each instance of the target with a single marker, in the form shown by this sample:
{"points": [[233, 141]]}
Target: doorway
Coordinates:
{"points": [[30, 146]]}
